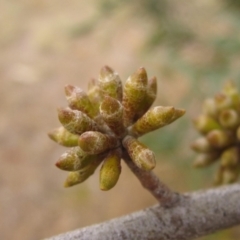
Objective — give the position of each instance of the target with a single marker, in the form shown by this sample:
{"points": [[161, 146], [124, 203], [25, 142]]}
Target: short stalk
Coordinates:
{"points": [[165, 196]]}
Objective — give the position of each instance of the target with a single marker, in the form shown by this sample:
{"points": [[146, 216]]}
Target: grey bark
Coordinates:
{"points": [[196, 214]]}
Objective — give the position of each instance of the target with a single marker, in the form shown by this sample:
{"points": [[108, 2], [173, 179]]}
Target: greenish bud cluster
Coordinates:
{"points": [[102, 125], [219, 125]]}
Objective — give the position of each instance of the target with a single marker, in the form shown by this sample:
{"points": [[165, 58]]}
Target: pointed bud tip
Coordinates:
{"points": [[142, 70], [64, 114], [52, 135], [105, 72], [62, 110], [180, 111], [67, 185], [109, 105], [69, 90], [57, 164], [103, 188], [142, 73], [107, 69]]}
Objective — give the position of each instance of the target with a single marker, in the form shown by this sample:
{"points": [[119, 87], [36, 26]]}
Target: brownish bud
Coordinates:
{"points": [[201, 145], [96, 142], [78, 100], [134, 93], [230, 157], [94, 94], [220, 138], [209, 107], [80, 176], [223, 101], [75, 121], [155, 118], [205, 159], [111, 111], [149, 98], [142, 156], [110, 83], [75, 159], [218, 177], [205, 124], [110, 170], [230, 175], [229, 118], [238, 133], [231, 91], [63, 137]]}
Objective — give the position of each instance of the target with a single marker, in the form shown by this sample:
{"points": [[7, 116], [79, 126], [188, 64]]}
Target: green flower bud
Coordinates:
{"points": [[155, 118], [177, 114], [150, 96], [110, 171], [229, 118], [143, 157], [205, 124], [201, 145], [78, 100], [231, 90], [209, 107], [75, 159], [63, 137], [110, 83], [238, 133], [96, 142], [230, 157], [75, 121], [205, 159], [219, 138], [134, 94], [218, 178], [111, 111], [223, 101], [80, 176], [94, 94], [230, 175]]}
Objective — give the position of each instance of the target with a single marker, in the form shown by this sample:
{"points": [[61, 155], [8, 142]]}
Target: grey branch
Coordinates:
{"points": [[197, 214]]}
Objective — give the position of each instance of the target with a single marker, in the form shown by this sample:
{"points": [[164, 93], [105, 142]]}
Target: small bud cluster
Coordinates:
{"points": [[101, 125], [219, 125]]}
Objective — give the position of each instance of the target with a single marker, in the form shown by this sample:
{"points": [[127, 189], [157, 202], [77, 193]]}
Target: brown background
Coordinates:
{"points": [[47, 44]]}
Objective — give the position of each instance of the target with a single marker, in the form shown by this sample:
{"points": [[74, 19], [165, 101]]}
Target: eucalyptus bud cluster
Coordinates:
{"points": [[102, 125], [219, 125]]}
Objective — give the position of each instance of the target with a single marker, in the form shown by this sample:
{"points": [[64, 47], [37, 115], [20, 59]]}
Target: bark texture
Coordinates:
{"points": [[196, 214]]}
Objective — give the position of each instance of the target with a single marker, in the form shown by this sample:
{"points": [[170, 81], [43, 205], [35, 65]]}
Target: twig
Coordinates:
{"points": [[199, 214], [152, 183]]}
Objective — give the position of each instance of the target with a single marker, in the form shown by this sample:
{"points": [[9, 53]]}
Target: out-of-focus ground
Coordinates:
{"points": [[192, 47]]}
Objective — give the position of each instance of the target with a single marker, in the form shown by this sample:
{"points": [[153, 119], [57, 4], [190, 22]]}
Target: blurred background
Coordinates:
{"points": [[191, 46]]}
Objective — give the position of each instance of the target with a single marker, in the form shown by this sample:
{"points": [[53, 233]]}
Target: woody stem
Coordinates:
{"points": [[165, 196]]}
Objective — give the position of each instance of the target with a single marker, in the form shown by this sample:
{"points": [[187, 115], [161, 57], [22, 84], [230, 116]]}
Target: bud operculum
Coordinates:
{"points": [[96, 142], [110, 83], [81, 175], [111, 111], [75, 159], [78, 100]]}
